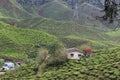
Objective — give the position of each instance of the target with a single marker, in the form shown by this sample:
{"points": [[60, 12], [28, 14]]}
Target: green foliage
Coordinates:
{"points": [[72, 41], [1, 62], [114, 34], [104, 65], [24, 43], [27, 70], [20, 43], [42, 57]]}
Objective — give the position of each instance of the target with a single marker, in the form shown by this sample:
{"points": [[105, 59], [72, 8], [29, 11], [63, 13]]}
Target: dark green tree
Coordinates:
{"points": [[110, 10]]}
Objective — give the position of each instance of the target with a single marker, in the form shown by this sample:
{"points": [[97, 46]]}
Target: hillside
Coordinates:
{"points": [[115, 34], [81, 34], [39, 33], [104, 65], [90, 9], [99, 67], [81, 30], [18, 43], [56, 10], [60, 10], [51, 9], [13, 10]]}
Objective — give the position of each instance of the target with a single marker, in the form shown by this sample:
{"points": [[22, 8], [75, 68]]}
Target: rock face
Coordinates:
{"points": [[97, 3]]}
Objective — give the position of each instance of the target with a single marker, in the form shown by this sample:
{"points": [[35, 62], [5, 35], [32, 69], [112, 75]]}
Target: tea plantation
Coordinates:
{"points": [[19, 43], [104, 65]]}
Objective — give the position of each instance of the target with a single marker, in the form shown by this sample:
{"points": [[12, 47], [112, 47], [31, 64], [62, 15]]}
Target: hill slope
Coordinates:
{"points": [[69, 32], [60, 10], [11, 12], [56, 10], [17, 43], [104, 65], [78, 33], [99, 67], [81, 31]]}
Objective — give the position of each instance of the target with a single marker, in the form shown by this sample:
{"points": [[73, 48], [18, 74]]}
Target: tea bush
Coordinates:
{"points": [[104, 65]]}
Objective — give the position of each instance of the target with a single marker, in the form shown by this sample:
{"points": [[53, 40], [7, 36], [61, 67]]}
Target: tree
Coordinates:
{"points": [[41, 60], [110, 10], [49, 55]]}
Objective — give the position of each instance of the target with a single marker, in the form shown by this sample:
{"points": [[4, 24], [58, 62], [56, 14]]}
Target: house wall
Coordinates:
{"points": [[75, 55]]}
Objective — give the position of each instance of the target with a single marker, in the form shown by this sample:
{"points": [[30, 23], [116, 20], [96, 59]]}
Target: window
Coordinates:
{"points": [[79, 55], [71, 55], [5, 65]]}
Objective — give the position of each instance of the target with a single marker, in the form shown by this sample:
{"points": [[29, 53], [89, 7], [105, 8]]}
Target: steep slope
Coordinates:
{"points": [[92, 12], [70, 32], [17, 43], [90, 9], [88, 13], [59, 10], [12, 12], [60, 28], [56, 10], [11, 9], [50, 9]]}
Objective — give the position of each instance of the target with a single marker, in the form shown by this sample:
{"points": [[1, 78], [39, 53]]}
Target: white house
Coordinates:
{"points": [[74, 53]]}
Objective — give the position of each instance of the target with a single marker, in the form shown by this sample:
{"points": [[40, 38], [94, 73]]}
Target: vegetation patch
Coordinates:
{"points": [[104, 65], [18, 43]]}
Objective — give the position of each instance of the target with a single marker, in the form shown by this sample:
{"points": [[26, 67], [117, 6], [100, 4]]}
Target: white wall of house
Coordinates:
{"points": [[74, 55]]}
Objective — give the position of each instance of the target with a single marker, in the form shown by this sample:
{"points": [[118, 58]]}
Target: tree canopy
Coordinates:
{"points": [[111, 10]]}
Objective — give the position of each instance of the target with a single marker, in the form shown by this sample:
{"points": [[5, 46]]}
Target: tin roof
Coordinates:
{"points": [[74, 49]]}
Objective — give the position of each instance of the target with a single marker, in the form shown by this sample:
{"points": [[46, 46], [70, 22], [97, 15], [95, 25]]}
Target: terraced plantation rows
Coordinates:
{"points": [[16, 42], [104, 65]]}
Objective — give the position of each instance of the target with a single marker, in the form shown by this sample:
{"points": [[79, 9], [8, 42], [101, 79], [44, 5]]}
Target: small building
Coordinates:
{"points": [[74, 53], [8, 66]]}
